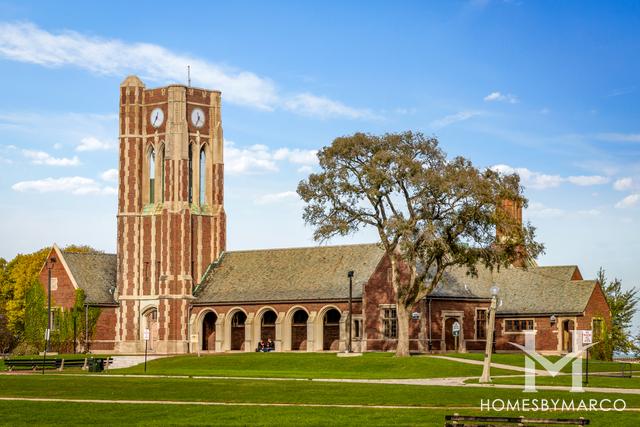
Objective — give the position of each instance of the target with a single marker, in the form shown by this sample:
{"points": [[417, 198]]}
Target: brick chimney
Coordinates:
{"points": [[513, 209]]}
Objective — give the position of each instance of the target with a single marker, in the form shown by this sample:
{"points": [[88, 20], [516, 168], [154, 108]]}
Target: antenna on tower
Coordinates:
{"points": [[189, 75]]}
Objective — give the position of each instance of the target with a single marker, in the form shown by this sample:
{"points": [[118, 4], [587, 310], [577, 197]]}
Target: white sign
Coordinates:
{"points": [[455, 327], [146, 335], [415, 315], [587, 337], [47, 334]]}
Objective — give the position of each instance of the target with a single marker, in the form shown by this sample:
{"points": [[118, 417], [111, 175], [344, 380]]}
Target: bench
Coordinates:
{"points": [[476, 421], [70, 363], [33, 364]]}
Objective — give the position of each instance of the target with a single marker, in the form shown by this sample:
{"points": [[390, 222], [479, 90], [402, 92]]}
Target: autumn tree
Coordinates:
{"points": [[430, 212], [623, 305]]}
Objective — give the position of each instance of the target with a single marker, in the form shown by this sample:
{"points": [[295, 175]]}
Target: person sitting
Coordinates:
{"points": [[261, 346], [271, 346]]}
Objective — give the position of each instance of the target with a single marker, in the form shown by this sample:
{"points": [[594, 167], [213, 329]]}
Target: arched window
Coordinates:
{"points": [[162, 174], [190, 173], [203, 176], [152, 174]]}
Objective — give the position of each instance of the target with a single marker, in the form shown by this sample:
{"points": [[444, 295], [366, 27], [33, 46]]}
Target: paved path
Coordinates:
{"points": [[540, 372], [120, 362]]}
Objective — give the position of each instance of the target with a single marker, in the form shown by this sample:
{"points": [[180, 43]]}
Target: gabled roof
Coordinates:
{"points": [[314, 273], [94, 273], [536, 290]]}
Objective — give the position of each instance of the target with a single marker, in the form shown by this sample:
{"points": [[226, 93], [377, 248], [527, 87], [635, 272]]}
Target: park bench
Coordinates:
{"points": [[478, 421], [70, 363], [33, 364]]}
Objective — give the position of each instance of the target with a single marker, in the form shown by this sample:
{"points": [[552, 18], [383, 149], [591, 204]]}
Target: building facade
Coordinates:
{"points": [[173, 282]]}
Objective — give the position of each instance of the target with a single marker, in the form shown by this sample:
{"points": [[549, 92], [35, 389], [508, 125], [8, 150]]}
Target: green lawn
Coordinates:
{"points": [[309, 365], [41, 413], [247, 391]]}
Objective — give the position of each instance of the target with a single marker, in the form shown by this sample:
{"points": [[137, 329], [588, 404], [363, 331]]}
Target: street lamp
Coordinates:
{"points": [[350, 276], [50, 263], [486, 369]]}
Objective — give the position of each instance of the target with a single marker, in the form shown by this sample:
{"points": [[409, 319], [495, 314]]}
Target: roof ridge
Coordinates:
{"points": [[301, 248], [87, 253]]}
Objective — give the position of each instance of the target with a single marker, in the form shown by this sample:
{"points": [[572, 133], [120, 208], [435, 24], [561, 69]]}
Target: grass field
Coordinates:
{"points": [[110, 399], [252, 393], [309, 365]]}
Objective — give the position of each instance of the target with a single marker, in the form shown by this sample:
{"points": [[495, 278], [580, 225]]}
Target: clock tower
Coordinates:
{"points": [[171, 220]]}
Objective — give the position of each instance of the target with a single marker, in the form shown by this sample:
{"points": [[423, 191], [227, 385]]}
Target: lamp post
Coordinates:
{"points": [[486, 369], [350, 276]]}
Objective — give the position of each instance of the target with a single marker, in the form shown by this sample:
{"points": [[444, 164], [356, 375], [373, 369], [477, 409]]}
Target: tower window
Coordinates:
{"points": [[203, 176], [152, 175], [162, 173], [191, 173]]}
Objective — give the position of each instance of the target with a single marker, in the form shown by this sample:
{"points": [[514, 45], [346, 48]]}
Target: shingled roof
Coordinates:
{"points": [[536, 290], [314, 273], [95, 274]]}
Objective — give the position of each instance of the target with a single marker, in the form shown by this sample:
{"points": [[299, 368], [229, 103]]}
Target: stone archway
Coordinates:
{"points": [[331, 330], [208, 342], [268, 325], [237, 330], [299, 330]]}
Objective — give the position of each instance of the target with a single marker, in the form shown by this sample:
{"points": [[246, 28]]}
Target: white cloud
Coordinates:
{"points": [[541, 181], [73, 184], [629, 201], [110, 175], [259, 158], [499, 97], [91, 143], [618, 137], [26, 42], [276, 197], [587, 180], [454, 118], [530, 178], [539, 210], [319, 106], [623, 184], [43, 158]]}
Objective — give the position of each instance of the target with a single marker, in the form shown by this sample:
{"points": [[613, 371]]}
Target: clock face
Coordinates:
{"points": [[156, 118], [197, 117]]}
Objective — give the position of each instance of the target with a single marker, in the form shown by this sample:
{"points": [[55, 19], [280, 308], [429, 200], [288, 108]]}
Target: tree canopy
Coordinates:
{"points": [[430, 212]]}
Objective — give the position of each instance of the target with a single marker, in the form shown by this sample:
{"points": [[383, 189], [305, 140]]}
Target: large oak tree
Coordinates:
{"points": [[430, 212]]}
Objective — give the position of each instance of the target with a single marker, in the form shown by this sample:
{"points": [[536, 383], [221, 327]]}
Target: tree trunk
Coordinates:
{"points": [[402, 349]]}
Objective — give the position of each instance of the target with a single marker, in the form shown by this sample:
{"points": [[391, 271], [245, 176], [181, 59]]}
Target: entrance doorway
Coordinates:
{"points": [[567, 336], [151, 323], [331, 330], [451, 342], [209, 331], [237, 330]]}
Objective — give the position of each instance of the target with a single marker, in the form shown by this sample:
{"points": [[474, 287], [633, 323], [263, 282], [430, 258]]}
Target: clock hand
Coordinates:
{"points": [[156, 119]]}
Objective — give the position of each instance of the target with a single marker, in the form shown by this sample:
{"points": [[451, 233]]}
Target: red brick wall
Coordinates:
{"points": [[105, 334], [65, 295]]}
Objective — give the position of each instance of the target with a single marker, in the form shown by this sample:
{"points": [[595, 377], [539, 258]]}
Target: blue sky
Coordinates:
{"points": [[548, 89]]}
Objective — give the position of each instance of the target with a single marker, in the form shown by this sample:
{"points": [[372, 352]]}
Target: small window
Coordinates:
{"points": [[54, 283], [390, 322], [191, 173], [357, 328], [597, 328], [55, 318], [481, 324], [518, 325], [238, 319]]}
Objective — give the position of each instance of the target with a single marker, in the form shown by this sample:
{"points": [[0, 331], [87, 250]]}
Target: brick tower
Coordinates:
{"points": [[171, 220]]}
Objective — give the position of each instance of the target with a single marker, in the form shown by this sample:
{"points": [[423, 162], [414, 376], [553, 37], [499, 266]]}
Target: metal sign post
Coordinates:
{"points": [[587, 338], [146, 344]]}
